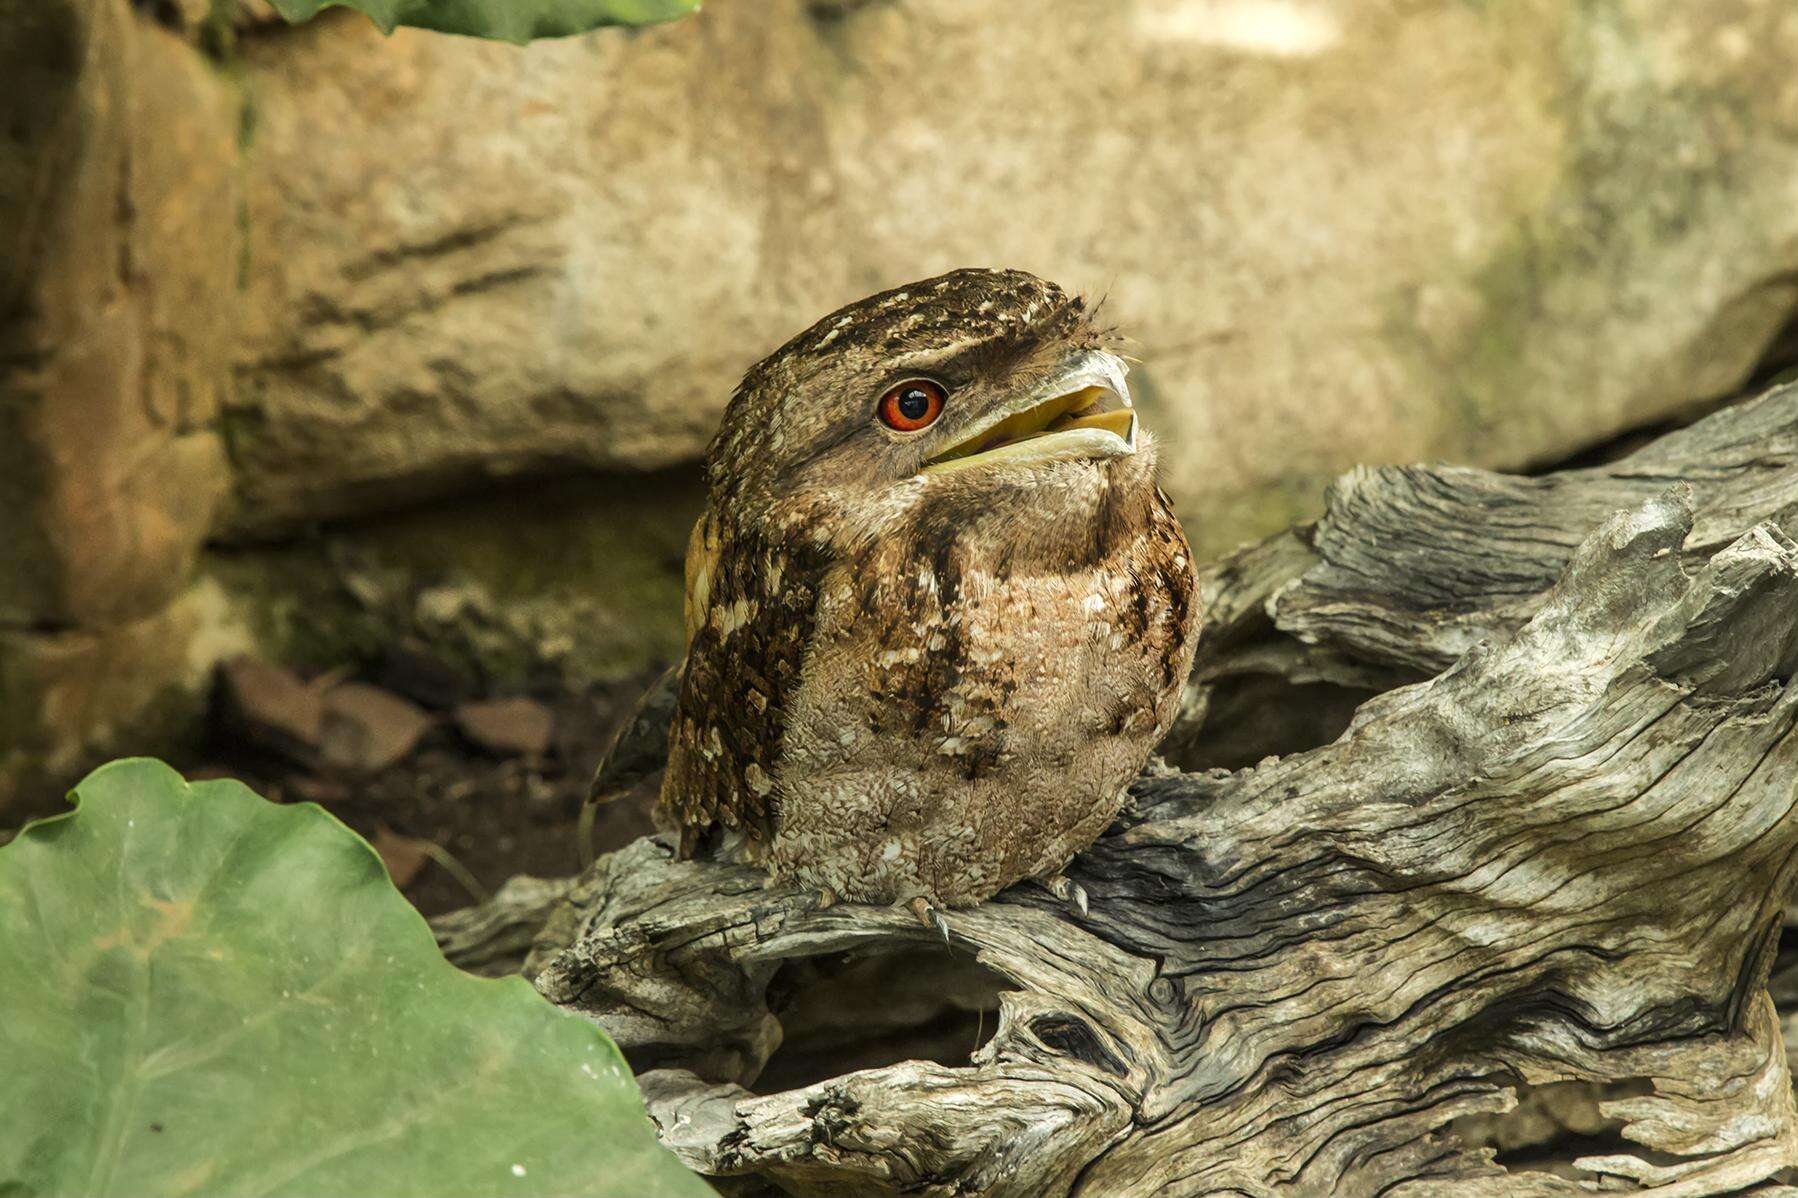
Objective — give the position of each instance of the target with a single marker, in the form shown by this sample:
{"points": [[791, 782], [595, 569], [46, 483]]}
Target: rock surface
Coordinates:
{"points": [[271, 707], [72, 697], [574, 581], [1341, 232], [118, 191], [367, 729], [516, 727]]}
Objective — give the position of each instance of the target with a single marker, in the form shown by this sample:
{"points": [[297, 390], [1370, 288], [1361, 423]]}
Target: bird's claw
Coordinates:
{"points": [[1068, 891], [929, 916], [827, 898]]}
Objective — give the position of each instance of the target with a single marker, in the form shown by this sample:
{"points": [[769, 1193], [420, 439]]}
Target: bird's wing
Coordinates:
{"points": [[639, 747], [750, 611], [702, 552]]}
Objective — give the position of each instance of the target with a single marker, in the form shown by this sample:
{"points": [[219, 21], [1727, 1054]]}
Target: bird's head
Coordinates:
{"points": [[983, 381]]}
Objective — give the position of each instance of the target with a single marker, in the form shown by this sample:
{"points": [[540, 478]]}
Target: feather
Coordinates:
{"points": [[750, 614]]}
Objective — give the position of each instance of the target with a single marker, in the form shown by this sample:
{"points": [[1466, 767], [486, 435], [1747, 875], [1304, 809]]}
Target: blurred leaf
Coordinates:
{"points": [[502, 20], [209, 994]]}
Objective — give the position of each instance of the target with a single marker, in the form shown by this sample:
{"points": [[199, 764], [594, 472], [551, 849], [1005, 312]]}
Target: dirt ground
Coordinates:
{"points": [[452, 817]]}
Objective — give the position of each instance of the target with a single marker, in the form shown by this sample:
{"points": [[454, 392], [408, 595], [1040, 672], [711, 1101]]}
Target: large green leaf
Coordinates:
{"points": [[204, 993], [505, 20]]}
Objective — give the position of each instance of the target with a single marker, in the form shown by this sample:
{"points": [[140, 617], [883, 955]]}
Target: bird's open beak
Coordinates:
{"points": [[1084, 412]]}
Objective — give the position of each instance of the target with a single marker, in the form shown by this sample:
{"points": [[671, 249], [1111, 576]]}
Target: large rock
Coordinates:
{"points": [[558, 583], [118, 197], [70, 698], [1341, 231], [119, 204]]}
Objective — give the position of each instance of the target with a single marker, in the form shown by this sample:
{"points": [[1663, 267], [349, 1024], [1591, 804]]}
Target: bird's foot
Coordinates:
{"points": [[827, 898], [1067, 890], [929, 916]]}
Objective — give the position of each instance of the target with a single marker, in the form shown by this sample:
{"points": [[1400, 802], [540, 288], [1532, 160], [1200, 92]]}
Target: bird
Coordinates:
{"points": [[938, 610]]}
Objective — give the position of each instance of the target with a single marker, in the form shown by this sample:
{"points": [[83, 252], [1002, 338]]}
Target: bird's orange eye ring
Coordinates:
{"points": [[912, 405]]}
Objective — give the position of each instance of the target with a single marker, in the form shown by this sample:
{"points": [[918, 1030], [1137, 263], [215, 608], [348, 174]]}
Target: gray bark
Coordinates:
{"points": [[1549, 859], [1411, 566], [493, 938]]}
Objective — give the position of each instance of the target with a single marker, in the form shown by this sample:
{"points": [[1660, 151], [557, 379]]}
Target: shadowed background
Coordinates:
{"points": [[396, 357]]}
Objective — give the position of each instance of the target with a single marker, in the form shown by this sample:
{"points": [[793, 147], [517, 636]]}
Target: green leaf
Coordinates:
{"points": [[503, 20], [206, 993]]}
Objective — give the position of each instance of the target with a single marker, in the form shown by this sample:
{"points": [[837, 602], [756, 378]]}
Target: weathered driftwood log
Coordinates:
{"points": [[493, 938], [1562, 860], [1411, 566]]}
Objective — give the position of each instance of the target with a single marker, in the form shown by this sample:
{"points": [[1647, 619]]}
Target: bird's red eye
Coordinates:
{"points": [[912, 405]]}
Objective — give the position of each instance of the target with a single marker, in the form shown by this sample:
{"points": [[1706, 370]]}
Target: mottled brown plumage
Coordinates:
{"points": [[911, 678]]}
